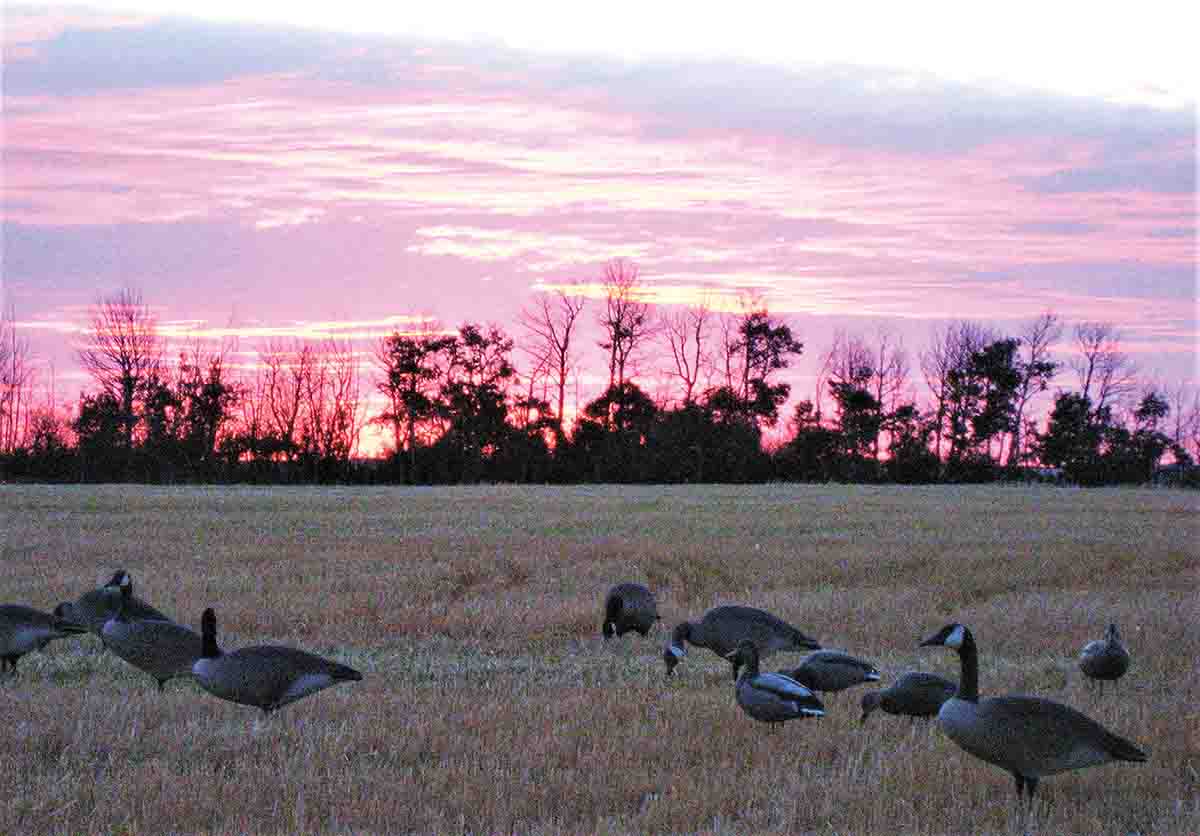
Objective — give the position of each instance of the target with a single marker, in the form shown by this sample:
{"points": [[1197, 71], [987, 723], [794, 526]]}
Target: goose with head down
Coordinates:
{"points": [[629, 606], [915, 694], [722, 628]]}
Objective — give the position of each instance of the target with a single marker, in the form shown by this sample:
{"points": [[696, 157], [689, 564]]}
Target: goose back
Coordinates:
{"points": [[833, 670], [163, 649], [915, 694]]}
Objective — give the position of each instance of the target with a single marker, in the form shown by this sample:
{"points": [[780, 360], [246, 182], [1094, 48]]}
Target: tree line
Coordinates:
{"points": [[457, 409]]}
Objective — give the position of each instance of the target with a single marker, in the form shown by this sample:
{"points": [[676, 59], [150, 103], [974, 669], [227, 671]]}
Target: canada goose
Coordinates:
{"points": [[1105, 659], [265, 676], [1029, 736], [629, 606], [162, 649], [771, 697], [23, 629], [915, 694], [94, 608], [832, 670], [723, 627]]}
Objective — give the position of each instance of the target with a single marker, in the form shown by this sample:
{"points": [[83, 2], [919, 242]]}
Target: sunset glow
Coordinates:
{"points": [[373, 172]]}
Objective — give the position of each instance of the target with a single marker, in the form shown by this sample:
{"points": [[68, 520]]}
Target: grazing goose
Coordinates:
{"points": [[1105, 659], [23, 629], [832, 670], [771, 697], [629, 606], [94, 608], [162, 649], [266, 676], [722, 628], [1028, 736], [915, 694]]}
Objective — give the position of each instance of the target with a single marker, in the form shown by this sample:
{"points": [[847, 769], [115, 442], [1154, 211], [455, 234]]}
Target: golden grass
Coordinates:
{"points": [[491, 705]]}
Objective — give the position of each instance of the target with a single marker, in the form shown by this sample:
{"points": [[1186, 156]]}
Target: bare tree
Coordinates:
{"points": [[950, 347], [286, 370], [1037, 371], [625, 319], [333, 408], [1106, 375], [684, 331], [123, 351], [16, 381], [549, 325]]}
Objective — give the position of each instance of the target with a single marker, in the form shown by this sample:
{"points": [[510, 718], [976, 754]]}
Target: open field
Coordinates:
{"points": [[490, 703]]}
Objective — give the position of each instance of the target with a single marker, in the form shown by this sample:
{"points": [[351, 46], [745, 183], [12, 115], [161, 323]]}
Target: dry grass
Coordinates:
{"points": [[491, 705]]}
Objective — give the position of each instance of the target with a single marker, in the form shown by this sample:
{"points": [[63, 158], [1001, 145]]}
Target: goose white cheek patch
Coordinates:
{"points": [[677, 651], [955, 639]]}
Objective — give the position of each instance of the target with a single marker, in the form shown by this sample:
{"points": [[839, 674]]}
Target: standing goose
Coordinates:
{"points": [[93, 609], [629, 606], [1028, 736], [162, 649], [723, 627], [832, 670], [771, 697], [1105, 659], [915, 694], [266, 676], [23, 629]]}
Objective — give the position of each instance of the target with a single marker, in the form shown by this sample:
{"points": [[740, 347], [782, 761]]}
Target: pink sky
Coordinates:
{"points": [[268, 181]]}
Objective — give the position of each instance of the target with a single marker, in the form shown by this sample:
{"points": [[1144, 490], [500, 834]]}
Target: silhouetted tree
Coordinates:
{"points": [[550, 326], [1035, 370], [625, 320], [413, 368], [122, 351]]}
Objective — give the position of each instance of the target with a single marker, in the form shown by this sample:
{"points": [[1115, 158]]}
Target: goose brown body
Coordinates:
{"points": [[163, 649], [722, 628], [265, 676]]}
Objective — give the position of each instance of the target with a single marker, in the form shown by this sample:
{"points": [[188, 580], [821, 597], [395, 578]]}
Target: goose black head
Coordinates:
{"points": [[952, 635], [870, 702]]}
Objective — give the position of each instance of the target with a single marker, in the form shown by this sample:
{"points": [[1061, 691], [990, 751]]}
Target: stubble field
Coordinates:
{"points": [[490, 703]]}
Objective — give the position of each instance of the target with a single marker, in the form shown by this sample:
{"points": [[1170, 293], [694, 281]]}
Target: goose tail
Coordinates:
{"points": [[1123, 750]]}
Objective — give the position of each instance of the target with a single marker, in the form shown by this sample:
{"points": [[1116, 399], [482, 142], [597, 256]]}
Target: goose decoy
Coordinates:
{"points": [[162, 649], [832, 670], [915, 694], [24, 629], [1105, 659], [266, 676], [93, 609], [770, 697], [629, 606], [1028, 736], [723, 627]]}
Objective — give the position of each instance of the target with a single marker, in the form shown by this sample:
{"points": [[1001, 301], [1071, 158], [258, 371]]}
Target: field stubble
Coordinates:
{"points": [[490, 704]]}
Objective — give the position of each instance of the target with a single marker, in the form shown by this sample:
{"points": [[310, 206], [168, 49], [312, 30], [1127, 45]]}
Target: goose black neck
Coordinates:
{"points": [[749, 660], [208, 635], [968, 656], [682, 632]]}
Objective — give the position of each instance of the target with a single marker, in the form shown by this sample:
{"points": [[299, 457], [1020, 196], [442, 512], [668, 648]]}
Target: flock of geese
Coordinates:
{"points": [[265, 676], [1030, 737]]}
